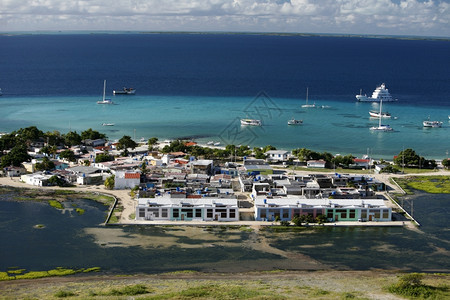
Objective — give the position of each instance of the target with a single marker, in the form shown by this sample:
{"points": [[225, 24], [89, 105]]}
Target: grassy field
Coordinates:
{"points": [[429, 184], [275, 284]]}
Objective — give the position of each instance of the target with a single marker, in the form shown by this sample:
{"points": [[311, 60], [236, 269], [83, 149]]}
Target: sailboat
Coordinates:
{"points": [[308, 105], [104, 100], [381, 127]]}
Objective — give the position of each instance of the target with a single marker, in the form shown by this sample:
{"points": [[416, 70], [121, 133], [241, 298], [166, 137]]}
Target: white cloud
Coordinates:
{"points": [[335, 16]]}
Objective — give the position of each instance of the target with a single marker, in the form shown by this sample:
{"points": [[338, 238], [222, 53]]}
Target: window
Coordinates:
{"points": [[352, 214], [198, 213], [262, 214], [154, 211], [189, 213], [223, 212], [176, 213], [343, 213], [330, 214], [363, 213], [296, 213], [232, 213], [142, 213], [385, 213], [285, 214], [209, 213], [164, 213], [376, 213]]}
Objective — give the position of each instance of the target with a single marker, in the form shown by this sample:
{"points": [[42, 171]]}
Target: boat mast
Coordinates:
{"points": [[104, 89], [379, 121], [306, 95]]}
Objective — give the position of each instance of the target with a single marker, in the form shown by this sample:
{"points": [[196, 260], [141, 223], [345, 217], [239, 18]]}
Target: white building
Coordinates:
{"points": [[277, 155], [187, 209], [126, 180]]}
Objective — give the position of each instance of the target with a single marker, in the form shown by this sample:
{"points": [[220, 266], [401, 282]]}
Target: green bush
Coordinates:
{"points": [[131, 290], [63, 294]]}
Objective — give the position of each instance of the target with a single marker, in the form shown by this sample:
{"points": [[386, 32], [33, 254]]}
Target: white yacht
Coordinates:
{"points": [[124, 91], [108, 124], [251, 122], [381, 93], [380, 126], [104, 100], [294, 122], [306, 105], [433, 124], [377, 114]]}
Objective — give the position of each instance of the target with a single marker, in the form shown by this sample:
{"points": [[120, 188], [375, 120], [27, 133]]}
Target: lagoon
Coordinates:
{"points": [[72, 240]]}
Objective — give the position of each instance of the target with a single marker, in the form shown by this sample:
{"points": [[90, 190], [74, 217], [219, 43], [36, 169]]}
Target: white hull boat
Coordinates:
{"points": [[124, 91], [251, 122], [380, 126], [381, 93], [433, 124], [104, 100], [295, 122]]}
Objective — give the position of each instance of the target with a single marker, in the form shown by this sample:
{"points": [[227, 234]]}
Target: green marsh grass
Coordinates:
{"points": [[429, 184], [56, 204], [16, 274]]}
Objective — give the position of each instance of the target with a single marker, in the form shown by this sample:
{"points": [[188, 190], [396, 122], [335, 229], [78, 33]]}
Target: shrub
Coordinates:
{"points": [[63, 294]]}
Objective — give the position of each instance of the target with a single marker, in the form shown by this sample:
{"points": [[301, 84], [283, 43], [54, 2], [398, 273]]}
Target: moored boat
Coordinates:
{"points": [[124, 91], [433, 124], [251, 122], [306, 105], [108, 124], [104, 100], [294, 122], [377, 114], [381, 93], [381, 127]]}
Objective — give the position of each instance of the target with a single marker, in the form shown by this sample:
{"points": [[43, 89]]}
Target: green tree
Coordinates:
{"points": [[268, 148], [72, 138], [7, 142], [55, 180], [29, 134], [343, 161], [126, 142], [446, 163], [92, 135], [53, 138], [151, 143], [259, 154], [407, 157], [49, 150], [102, 157], [68, 154], [109, 182], [45, 165], [16, 156]]}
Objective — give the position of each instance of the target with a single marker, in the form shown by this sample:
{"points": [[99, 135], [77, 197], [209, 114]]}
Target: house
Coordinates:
{"points": [[37, 179], [95, 143], [126, 180], [379, 168], [196, 208], [277, 155], [87, 175], [361, 163], [13, 171], [286, 208], [202, 166], [316, 164], [257, 166]]}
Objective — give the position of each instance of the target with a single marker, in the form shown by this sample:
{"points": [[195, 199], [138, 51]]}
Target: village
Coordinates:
{"points": [[174, 186]]}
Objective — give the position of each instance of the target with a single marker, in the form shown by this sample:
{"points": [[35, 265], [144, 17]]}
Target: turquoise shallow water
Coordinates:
{"points": [[342, 127]]}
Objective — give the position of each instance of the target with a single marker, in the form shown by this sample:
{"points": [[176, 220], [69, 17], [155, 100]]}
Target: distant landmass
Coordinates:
{"points": [[349, 35]]}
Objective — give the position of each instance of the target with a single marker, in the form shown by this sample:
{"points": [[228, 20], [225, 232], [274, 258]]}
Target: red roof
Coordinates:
{"points": [[190, 144], [132, 175], [361, 160]]}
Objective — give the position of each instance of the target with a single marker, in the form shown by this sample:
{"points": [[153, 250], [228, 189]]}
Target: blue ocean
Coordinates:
{"points": [[198, 86]]}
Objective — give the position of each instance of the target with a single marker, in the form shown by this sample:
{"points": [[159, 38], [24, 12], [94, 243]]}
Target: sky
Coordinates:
{"points": [[383, 17]]}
